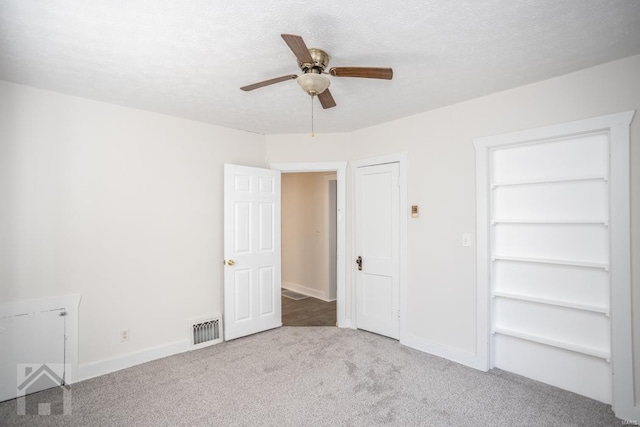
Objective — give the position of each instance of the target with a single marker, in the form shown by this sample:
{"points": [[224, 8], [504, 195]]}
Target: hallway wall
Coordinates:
{"points": [[305, 234]]}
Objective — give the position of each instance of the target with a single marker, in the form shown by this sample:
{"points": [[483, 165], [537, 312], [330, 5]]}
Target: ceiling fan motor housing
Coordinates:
{"points": [[320, 61], [312, 81]]}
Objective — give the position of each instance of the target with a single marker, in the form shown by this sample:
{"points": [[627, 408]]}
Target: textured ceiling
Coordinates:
{"points": [[189, 58]]}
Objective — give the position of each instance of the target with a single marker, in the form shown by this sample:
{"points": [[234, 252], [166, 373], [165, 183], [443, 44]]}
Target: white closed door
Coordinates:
{"points": [[251, 250], [377, 244], [550, 252]]}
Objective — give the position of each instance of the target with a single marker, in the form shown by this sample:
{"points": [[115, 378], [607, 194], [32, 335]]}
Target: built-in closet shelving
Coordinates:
{"points": [[549, 254], [551, 221], [574, 263], [553, 343], [559, 303], [549, 180]]}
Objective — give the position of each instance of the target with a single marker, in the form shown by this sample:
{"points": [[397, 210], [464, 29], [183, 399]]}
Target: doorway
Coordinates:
{"points": [[346, 297], [339, 169], [309, 256]]}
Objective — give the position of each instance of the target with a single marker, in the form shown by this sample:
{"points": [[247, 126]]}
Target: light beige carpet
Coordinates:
{"points": [[318, 376]]}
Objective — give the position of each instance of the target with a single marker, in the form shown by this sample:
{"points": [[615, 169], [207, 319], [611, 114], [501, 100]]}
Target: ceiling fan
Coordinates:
{"points": [[312, 63]]}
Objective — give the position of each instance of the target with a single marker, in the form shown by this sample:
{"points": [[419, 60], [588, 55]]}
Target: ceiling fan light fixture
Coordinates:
{"points": [[312, 83], [313, 63]]}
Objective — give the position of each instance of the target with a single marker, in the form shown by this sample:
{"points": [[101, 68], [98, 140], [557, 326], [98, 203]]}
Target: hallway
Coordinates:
{"points": [[308, 312]]}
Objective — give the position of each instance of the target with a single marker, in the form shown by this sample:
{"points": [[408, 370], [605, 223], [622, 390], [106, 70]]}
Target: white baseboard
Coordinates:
{"points": [[102, 367], [346, 323], [444, 351], [630, 413], [324, 296]]}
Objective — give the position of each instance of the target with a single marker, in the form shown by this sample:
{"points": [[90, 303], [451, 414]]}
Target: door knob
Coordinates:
{"points": [[231, 263], [359, 262]]}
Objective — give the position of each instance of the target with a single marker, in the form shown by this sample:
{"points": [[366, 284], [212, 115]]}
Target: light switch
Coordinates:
{"points": [[466, 239], [414, 211]]}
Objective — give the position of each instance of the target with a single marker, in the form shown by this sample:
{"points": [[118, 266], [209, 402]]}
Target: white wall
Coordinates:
{"points": [[441, 279], [124, 206], [305, 233], [120, 205]]}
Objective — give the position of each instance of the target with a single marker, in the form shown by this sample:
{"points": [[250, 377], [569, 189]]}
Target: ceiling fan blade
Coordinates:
{"points": [[269, 82], [299, 48], [326, 99], [365, 72]]}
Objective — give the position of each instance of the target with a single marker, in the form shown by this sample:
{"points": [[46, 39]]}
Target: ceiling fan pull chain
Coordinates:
{"points": [[312, 132]]}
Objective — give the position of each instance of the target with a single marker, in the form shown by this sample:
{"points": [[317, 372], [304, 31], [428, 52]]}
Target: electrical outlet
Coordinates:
{"points": [[124, 335]]}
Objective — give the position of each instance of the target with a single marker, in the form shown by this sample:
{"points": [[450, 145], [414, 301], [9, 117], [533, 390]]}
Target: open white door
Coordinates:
{"points": [[251, 250], [377, 246]]}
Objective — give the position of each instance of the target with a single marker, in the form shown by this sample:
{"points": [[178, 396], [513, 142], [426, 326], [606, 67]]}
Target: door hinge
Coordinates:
{"points": [[62, 313]]}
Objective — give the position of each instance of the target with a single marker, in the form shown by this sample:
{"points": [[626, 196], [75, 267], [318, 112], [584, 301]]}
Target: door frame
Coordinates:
{"points": [[340, 168], [333, 238], [620, 234], [402, 160]]}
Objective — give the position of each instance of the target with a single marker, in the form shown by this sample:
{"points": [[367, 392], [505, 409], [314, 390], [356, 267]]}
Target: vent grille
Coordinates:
{"points": [[205, 332]]}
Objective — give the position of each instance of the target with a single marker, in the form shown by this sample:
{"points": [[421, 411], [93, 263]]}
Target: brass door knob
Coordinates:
{"points": [[231, 263]]}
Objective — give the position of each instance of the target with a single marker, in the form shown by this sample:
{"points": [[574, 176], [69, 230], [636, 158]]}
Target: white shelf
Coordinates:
{"points": [[583, 307], [551, 221], [588, 264], [553, 343], [550, 180]]}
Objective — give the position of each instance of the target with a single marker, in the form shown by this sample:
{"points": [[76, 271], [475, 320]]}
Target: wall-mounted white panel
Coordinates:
{"points": [[243, 297], [585, 155], [558, 241], [588, 286], [582, 374], [267, 291], [35, 337]]}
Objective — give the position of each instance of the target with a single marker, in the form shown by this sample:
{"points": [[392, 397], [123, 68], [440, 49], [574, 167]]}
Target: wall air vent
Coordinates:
{"points": [[205, 331]]}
